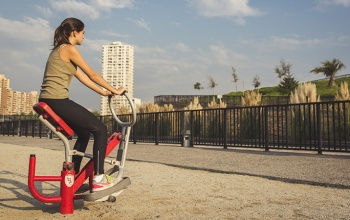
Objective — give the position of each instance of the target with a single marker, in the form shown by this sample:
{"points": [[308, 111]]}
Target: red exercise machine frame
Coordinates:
{"points": [[70, 181]]}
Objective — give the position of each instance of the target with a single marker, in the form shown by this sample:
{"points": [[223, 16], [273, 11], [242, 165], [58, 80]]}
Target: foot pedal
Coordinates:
{"points": [[104, 195]]}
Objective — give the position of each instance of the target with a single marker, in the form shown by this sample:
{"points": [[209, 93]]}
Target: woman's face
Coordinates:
{"points": [[79, 37]]}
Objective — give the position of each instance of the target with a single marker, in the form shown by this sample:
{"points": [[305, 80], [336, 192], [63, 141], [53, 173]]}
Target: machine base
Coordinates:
{"points": [[109, 193]]}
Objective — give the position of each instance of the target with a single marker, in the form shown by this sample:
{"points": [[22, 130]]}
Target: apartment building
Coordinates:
{"points": [[117, 70], [4, 94], [15, 102]]}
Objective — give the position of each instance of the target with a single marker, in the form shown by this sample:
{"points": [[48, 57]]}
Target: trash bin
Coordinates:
{"points": [[186, 138]]}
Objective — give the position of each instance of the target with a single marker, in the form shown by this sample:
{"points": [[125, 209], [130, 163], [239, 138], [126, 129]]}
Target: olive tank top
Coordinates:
{"points": [[57, 77]]}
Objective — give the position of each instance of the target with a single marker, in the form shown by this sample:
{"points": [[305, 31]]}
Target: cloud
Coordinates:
{"points": [[114, 34], [285, 43], [343, 39], [108, 4], [238, 9], [220, 54], [150, 52], [142, 24], [293, 43], [92, 9], [72, 7], [345, 3], [45, 11], [31, 29], [25, 47], [95, 45], [160, 69], [182, 47], [278, 43]]}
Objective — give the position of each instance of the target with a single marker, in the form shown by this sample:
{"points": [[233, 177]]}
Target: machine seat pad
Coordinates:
{"points": [[43, 109]]}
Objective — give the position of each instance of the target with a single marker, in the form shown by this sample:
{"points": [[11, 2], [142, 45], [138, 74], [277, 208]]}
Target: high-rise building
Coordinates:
{"points": [[117, 70], [15, 102], [4, 90]]}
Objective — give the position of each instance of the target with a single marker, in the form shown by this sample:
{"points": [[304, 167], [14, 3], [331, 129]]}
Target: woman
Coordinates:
{"points": [[61, 66]]}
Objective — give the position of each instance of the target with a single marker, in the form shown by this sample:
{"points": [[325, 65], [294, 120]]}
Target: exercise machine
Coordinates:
{"points": [[70, 181]]}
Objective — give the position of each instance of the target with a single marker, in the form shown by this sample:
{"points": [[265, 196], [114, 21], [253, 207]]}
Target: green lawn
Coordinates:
{"points": [[321, 86]]}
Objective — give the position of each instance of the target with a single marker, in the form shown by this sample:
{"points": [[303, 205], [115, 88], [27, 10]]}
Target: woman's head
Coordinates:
{"points": [[63, 32]]}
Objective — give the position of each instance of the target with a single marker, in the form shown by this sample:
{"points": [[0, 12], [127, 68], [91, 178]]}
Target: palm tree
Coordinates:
{"points": [[329, 69]]}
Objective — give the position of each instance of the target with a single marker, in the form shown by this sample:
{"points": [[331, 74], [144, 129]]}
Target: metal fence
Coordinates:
{"points": [[322, 126], [182, 101]]}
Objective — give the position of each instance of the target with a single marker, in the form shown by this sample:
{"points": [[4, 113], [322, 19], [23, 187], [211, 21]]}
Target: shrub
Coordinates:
{"points": [[304, 93], [303, 115], [251, 117], [252, 98], [343, 92]]}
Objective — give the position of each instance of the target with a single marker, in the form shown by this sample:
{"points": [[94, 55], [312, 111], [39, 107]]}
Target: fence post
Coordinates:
{"points": [[225, 128], [156, 128], [8, 128], [13, 128], [134, 134], [40, 129], [32, 128], [191, 128], [266, 127], [19, 128], [319, 129]]}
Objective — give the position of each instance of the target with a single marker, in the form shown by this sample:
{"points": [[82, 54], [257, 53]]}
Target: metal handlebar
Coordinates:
{"points": [[133, 112]]}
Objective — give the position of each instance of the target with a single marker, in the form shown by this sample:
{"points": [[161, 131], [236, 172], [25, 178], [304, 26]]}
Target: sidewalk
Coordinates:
{"points": [[302, 167]]}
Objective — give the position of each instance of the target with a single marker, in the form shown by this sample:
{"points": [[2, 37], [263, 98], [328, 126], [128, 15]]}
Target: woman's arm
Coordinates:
{"points": [[83, 78], [72, 54]]}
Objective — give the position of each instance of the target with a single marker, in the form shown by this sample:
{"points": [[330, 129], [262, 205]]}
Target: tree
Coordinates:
{"points": [[212, 84], [234, 77], [329, 69], [284, 69], [256, 81], [287, 85], [198, 86], [287, 82]]}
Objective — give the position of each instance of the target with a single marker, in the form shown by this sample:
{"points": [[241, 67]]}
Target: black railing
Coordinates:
{"points": [[322, 126], [181, 101]]}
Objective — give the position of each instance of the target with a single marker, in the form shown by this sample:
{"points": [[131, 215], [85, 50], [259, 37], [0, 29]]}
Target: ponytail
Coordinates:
{"points": [[63, 32]]}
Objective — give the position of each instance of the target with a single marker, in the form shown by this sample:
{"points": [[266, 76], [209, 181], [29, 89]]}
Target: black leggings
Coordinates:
{"points": [[83, 123]]}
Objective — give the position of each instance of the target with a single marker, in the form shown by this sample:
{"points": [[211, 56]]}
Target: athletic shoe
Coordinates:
{"points": [[105, 183]]}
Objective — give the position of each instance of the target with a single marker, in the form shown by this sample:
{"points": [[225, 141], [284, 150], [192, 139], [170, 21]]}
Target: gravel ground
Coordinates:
{"points": [[172, 182], [305, 167]]}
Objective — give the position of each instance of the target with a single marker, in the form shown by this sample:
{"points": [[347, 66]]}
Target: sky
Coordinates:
{"points": [[179, 42]]}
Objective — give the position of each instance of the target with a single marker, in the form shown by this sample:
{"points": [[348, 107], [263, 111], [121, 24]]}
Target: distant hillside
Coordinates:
{"points": [[321, 86]]}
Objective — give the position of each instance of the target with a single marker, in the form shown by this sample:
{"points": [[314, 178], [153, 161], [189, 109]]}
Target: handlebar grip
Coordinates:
{"points": [[133, 111]]}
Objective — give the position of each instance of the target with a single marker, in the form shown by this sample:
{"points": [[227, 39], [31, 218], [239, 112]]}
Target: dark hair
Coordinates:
{"points": [[63, 32]]}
